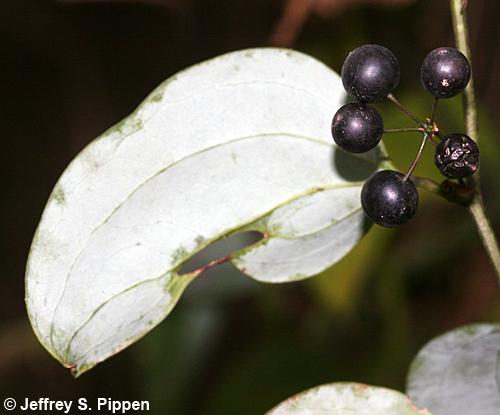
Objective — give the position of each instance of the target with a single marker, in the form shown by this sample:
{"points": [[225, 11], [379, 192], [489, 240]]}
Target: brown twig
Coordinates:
{"points": [[291, 22]]}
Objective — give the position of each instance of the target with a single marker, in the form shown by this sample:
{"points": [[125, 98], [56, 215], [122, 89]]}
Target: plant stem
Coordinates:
{"points": [[403, 130], [398, 104], [462, 42], [488, 237], [476, 208], [433, 111], [417, 157], [427, 184]]}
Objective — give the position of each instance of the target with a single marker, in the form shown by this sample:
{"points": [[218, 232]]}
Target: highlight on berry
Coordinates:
{"points": [[370, 73], [357, 128], [445, 72], [388, 199]]}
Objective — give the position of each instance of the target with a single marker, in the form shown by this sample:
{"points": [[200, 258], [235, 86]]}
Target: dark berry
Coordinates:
{"points": [[370, 73], [389, 200], [445, 72], [357, 127], [457, 155]]}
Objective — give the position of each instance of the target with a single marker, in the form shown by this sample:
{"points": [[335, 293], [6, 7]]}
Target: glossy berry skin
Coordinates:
{"points": [[445, 72], [357, 127], [457, 155], [388, 200], [370, 73]]}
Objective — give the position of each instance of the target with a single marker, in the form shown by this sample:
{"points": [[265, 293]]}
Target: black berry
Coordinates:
{"points": [[370, 73], [457, 155], [387, 199], [357, 127], [445, 72]]}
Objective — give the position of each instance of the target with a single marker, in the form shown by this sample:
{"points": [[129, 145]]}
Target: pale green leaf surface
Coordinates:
{"points": [[459, 372], [348, 399], [238, 142]]}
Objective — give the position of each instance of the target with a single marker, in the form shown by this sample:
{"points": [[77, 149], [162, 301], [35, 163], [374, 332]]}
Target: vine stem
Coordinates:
{"points": [[427, 184], [476, 208]]}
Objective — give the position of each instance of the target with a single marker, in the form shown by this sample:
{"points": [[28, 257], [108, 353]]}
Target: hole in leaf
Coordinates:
{"points": [[220, 251]]}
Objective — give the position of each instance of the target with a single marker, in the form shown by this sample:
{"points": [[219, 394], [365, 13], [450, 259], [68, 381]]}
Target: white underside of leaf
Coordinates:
{"points": [[347, 399], [306, 238], [241, 141], [459, 372]]}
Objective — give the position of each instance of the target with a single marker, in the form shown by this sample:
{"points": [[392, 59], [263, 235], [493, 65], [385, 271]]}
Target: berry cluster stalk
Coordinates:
{"points": [[425, 137], [476, 208]]}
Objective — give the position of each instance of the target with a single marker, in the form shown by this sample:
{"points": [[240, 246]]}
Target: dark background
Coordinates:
{"points": [[71, 69]]}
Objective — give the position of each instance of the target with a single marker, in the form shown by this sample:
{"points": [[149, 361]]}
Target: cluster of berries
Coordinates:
{"points": [[370, 73]]}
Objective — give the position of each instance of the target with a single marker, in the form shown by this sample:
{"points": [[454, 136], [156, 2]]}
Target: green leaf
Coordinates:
{"points": [[347, 399], [459, 372], [240, 142]]}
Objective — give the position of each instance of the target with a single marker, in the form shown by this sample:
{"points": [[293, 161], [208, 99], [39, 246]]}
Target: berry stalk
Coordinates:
{"points": [[476, 208], [403, 130], [433, 110], [417, 157], [398, 104]]}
